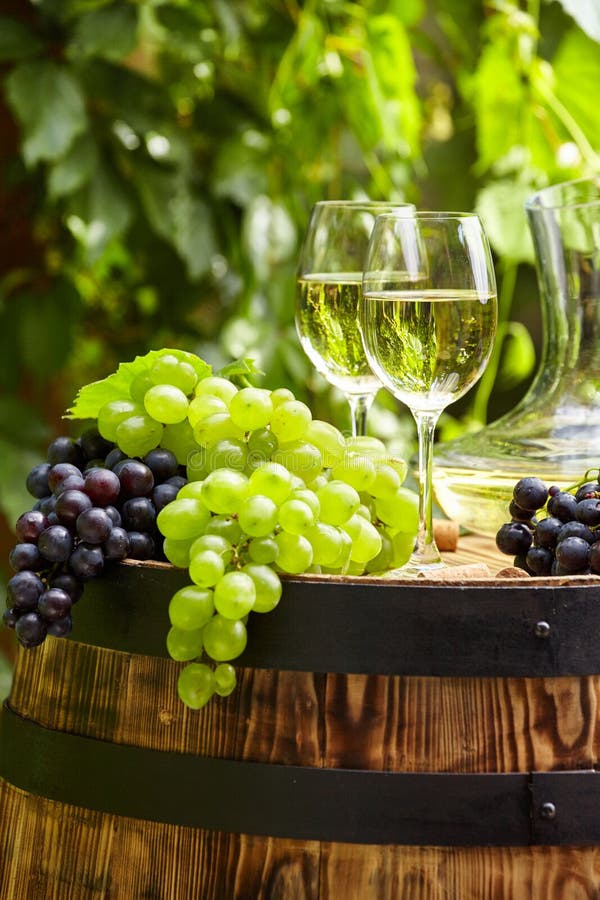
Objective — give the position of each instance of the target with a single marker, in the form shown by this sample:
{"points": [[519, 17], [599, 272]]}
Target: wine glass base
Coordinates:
{"points": [[417, 566]]}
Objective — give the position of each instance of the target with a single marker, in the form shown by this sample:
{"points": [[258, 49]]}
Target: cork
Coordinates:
{"points": [[512, 572], [445, 532], [469, 572]]}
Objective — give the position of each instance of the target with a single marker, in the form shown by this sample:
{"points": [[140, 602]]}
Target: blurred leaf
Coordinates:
{"points": [[20, 430], [16, 40], [46, 328], [99, 212], [269, 235], [109, 32], [577, 74], [116, 386], [47, 100], [587, 15], [193, 235], [75, 168], [500, 101], [501, 207], [518, 355], [240, 173], [6, 674]]}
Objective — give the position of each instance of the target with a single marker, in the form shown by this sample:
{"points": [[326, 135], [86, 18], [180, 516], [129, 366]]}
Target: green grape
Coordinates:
{"points": [[251, 408], [343, 560], [235, 595], [166, 403], [296, 517], [138, 387], [196, 685], [295, 552], [356, 470], [399, 509], [267, 584], [204, 405], [403, 544], [179, 439], [191, 607], [138, 435], [307, 496], [216, 427], [113, 413], [197, 466], [257, 515], [215, 542], [281, 395], [177, 552], [328, 440], [386, 481], [224, 639], [223, 490], [327, 543], [367, 445], [192, 490], [169, 370], [300, 458], [339, 501], [227, 453], [272, 480], [217, 387], [366, 540], [225, 679], [290, 421], [399, 465], [184, 645], [206, 568], [315, 483], [364, 511], [262, 443], [385, 558], [355, 568], [227, 527], [263, 549], [183, 519]]}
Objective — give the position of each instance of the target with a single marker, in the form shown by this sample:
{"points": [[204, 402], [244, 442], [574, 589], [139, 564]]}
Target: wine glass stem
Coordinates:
{"points": [[426, 550], [360, 404]]}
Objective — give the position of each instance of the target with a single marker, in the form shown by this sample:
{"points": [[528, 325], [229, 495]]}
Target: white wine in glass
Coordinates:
{"points": [[428, 321], [329, 291]]}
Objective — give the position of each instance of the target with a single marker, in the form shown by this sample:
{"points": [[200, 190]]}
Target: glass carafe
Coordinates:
{"points": [[554, 431]]}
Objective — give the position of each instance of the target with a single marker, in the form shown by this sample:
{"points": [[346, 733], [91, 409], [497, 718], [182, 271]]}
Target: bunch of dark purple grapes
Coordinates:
{"points": [[93, 506], [565, 540]]}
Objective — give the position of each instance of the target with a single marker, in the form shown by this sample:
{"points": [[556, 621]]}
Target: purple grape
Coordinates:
{"points": [[539, 560], [94, 445], [71, 483], [177, 480], [590, 487], [141, 545], [10, 617], [588, 512], [546, 532], [116, 545], [162, 463], [56, 543], [25, 556], [70, 505], [138, 514], [514, 538], [93, 464], [115, 456], [30, 525], [163, 494], [68, 583], [37, 481], [94, 525], [102, 486], [54, 604], [47, 505], [595, 557], [61, 627], [520, 515], [31, 629], [530, 493], [87, 560], [65, 450], [573, 554], [23, 590], [575, 529], [59, 472], [563, 506], [136, 478]]}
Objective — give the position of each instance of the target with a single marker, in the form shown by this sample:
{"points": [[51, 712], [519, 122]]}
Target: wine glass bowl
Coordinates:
{"points": [[428, 320], [328, 295]]}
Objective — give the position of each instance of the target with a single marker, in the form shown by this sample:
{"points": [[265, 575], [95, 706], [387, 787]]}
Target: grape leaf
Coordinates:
{"points": [[245, 366], [501, 207], [93, 396], [16, 40]]}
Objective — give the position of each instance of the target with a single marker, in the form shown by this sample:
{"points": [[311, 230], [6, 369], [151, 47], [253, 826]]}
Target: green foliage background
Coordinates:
{"points": [[161, 158]]}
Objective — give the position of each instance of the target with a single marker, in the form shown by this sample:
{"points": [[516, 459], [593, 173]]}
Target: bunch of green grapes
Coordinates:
{"points": [[270, 490]]}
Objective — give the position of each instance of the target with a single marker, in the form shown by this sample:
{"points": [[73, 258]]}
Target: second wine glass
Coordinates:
{"points": [[428, 320], [328, 295]]}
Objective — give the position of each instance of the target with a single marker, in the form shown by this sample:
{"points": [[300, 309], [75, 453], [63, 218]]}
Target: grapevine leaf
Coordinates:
{"points": [[48, 102], [518, 355], [110, 32], [74, 169], [244, 367], [16, 40], [93, 396], [501, 207]]}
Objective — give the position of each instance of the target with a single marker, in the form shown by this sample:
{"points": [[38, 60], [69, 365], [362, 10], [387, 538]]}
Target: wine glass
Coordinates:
{"points": [[428, 320], [328, 293]]}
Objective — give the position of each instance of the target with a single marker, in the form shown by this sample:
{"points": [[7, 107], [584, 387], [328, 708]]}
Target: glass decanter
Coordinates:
{"points": [[554, 431]]}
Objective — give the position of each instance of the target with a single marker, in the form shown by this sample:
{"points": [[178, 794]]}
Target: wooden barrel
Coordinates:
{"points": [[386, 740]]}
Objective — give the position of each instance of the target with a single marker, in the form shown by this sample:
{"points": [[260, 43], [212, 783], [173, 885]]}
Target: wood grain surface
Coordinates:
{"points": [[391, 723]]}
